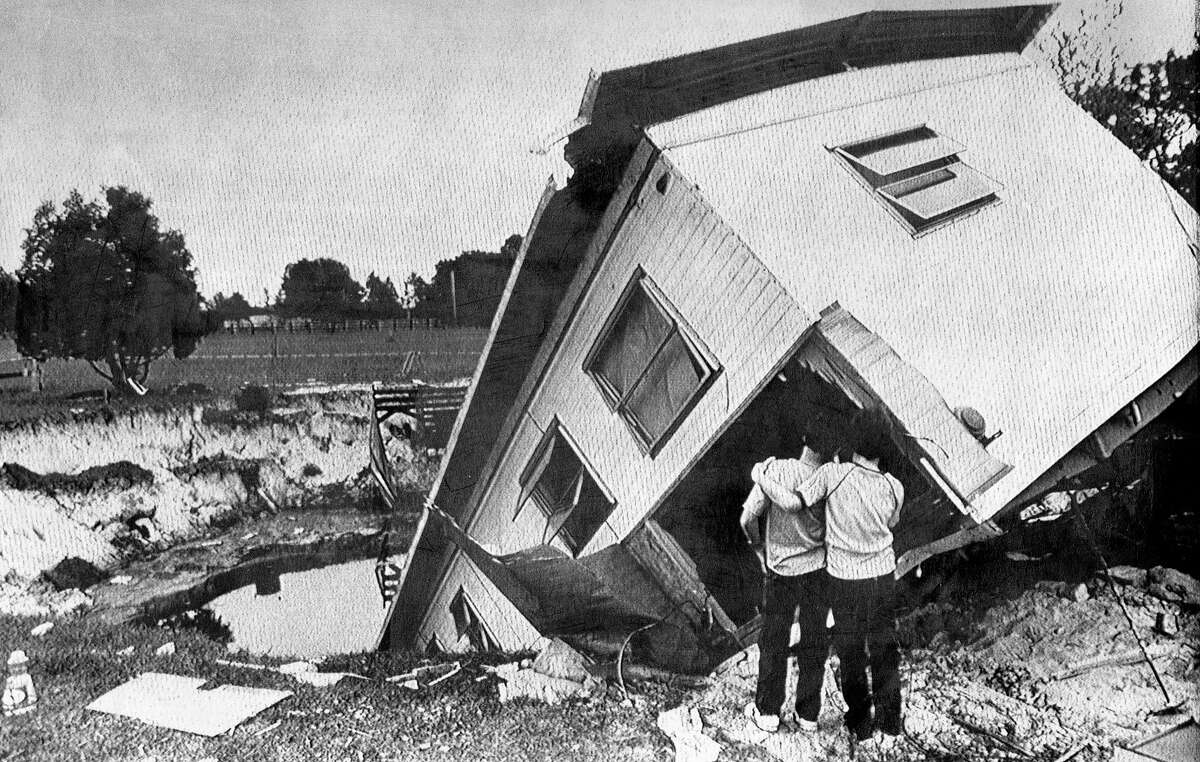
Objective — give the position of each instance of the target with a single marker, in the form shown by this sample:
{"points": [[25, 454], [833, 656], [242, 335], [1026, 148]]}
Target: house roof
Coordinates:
{"points": [[1048, 311], [617, 102]]}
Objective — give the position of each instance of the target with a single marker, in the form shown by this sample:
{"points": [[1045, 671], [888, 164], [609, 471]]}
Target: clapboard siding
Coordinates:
{"points": [[732, 303], [505, 624]]}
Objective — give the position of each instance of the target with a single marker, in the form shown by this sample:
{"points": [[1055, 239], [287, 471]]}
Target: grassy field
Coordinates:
{"points": [[458, 719], [224, 362]]}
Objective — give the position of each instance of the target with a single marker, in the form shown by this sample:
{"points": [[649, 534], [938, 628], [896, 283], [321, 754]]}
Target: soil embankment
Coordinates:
{"points": [[138, 487]]}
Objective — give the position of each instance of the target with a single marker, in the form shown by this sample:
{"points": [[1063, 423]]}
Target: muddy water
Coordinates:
{"points": [[308, 614]]}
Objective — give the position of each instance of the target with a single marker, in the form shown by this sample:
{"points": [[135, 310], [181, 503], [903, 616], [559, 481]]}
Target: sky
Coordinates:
{"points": [[388, 135]]}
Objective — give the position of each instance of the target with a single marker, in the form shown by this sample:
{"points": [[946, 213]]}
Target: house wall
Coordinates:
{"points": [[1048, 311], [730, 301]]}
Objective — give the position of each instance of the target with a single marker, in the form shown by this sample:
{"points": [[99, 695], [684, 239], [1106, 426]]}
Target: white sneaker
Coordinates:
{"points": [[807, 726], [768, 723]]}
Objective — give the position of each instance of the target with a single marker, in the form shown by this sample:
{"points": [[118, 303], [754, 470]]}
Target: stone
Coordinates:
{"points": [[1078, 593], [73, 573], [1174, 586], [1166, 624], [1128, 575]]}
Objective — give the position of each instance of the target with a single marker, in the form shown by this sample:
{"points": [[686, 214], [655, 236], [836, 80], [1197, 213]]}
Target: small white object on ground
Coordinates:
{"points": [[175, 701], [42, 629], [120, 579], [166, 649], [127, 651], [683, 726]]}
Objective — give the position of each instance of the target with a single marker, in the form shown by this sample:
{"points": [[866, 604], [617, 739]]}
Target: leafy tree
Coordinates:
{"points": [[474, 289], [1150, 107], [319, 288], [232, 307], [101, 282], [382, 300], [8, 303]]}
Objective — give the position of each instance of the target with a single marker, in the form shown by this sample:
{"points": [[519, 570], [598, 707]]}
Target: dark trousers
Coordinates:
{"points": [[782, 598], [864, 632]]}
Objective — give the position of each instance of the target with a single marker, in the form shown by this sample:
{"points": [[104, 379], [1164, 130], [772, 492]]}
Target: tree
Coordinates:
{"points": [[319, 288], [101, 282], [8, 303], [471, 295], [1150, 107], [382, 300], [232, 307]]}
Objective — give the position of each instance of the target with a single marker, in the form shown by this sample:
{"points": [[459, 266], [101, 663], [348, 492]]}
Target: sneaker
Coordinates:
{"points": [[807, 726], [768, 723]]}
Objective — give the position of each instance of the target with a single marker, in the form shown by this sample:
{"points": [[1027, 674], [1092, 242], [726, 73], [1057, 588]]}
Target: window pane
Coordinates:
{"points": [[556, 488], [895, 153], [939, 192], [666, 388], [591, 512], [631, 342]]}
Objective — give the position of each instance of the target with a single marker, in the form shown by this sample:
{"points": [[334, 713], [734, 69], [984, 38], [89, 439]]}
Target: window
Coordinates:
{"points": [[919, 176], [467, 623], [561, 485], [649, 365]]}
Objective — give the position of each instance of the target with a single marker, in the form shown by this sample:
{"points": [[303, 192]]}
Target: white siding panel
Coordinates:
{"points": [[735, 306]]}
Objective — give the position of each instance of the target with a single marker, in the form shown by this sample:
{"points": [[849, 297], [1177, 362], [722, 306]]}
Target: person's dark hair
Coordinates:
{"points": [[871, 433]]}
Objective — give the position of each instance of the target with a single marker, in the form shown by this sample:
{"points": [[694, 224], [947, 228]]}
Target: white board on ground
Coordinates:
{"points": [[176, 702]]}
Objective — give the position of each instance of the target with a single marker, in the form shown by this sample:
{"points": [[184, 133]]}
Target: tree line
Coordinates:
{"points": [[464, 291]]}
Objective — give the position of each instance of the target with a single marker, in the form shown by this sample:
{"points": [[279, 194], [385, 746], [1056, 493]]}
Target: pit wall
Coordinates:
{"points": [[208, 463]]}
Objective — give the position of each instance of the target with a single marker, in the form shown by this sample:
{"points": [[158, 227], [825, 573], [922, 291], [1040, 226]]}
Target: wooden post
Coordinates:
{"points": [[453, 298]]}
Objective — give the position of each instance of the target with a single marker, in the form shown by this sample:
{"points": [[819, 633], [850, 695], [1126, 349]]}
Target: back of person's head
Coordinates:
{"points": [[871, 433]]}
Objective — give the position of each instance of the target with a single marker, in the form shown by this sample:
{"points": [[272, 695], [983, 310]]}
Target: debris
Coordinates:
{"points": [[175, 701], [558, 659], [120, 579], [1166, 624], [683, 726], [1078, 593], [1128, 575], [1179, 743], [1173, 586], [19, 694], [42, 629], [529, 683], [73, 573], [304, 671], [127, 651], [447, 676], [425, 673], [1116, 660], [166, 649]]}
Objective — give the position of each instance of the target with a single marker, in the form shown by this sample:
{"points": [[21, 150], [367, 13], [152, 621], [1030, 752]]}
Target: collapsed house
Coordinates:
{"points": [[896, 209]]}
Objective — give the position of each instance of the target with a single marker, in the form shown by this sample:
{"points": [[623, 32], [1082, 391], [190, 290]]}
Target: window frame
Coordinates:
{"points": [[532, 473], [696, 347], [897, 208]]}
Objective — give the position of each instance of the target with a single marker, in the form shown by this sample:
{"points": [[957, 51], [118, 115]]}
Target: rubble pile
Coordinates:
{"points": [[1051, 672]]}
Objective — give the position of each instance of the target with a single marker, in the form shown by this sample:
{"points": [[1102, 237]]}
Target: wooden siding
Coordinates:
{"points": [[727, 297]]}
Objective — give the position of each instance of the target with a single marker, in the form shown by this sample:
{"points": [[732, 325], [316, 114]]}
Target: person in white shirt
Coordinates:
{"points": [[794, 589], [862, 505]]}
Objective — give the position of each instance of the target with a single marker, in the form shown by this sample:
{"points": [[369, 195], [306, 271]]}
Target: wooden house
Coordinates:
{"points": [[895, 208]]}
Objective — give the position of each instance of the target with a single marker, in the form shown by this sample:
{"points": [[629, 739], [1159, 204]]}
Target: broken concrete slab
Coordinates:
{"points": [[1174, 586]]}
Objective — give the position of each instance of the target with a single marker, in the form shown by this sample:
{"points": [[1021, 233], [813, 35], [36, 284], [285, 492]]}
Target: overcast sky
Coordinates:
{"points": [[388, 135]]}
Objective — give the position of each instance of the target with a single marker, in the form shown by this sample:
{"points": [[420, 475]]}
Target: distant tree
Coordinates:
{"points": [[101, 282], [232, 307], [1150, 107], [319, 288], [8, 303], [382, 300], [474, 289]]}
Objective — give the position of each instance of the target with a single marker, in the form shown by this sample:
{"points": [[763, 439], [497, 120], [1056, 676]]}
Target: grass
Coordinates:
{"points": [[459, 719], [223, 362]]}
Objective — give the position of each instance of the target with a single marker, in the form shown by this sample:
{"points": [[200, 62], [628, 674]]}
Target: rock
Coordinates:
{"points": [[1078, 593], [1166, 624], [66, 602], [1174, 586], [127, 651], [1128, 575], [73, 573], [559, 660], [166, 649], [42, 629]]}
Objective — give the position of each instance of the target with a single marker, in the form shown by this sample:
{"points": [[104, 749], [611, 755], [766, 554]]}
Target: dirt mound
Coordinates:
{"points": [[119, 475]]}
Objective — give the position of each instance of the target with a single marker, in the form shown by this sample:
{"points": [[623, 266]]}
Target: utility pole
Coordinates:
{"points": [[453, 298]]}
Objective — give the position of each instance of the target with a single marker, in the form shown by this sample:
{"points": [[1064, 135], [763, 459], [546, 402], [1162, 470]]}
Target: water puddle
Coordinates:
{"points": [[304, 614]]}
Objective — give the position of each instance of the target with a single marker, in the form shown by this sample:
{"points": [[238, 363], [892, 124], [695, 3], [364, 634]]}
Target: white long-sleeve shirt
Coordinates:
{"points": [[862, 505]]}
